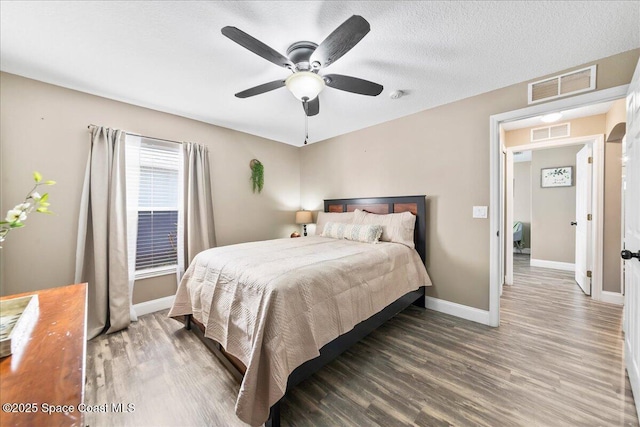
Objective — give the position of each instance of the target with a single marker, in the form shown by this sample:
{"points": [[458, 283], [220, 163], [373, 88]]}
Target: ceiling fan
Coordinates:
{"points": [[305, 59]]}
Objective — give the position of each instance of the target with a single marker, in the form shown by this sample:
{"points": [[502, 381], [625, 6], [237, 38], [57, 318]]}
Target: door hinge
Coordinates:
{"points": [[590, 160], [588, 273], [588, 217]]}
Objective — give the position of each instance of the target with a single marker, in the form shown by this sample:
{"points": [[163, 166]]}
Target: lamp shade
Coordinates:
{"points": [[305, 85], [304, 217]]}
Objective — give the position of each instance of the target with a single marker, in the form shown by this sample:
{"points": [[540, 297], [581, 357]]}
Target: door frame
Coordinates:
{"points": [[596, 209], [496, 180]]}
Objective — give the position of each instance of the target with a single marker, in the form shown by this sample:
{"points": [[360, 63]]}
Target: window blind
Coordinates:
{"points": [[159, 169]]}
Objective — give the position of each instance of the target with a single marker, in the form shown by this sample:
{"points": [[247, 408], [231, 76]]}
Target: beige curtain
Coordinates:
{"points": [[199, 231], [101, 255]]}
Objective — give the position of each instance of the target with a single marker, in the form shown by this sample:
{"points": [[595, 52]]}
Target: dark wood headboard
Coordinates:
{"points": [[386, 205]]}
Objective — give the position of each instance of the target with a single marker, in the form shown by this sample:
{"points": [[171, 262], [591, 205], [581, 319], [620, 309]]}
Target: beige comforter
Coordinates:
{"points": [[273, 304]]}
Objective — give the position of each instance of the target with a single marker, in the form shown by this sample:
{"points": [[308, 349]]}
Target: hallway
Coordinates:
{"points": [[584, 336]]}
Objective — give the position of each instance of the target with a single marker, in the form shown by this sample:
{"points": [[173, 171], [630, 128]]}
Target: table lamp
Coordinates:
{"points": [[304, 217]]}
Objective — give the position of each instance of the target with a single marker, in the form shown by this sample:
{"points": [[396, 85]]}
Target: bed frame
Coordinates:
{"points": [[379, 205]]}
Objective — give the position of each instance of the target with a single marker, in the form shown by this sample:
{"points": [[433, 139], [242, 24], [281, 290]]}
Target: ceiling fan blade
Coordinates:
{"points": [[311, 108], [256, 46], [340, 41], [257, 90], [353, 84]]}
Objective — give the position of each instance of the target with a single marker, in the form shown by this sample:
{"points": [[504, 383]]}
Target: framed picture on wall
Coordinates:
{"points": [[561, 176]]}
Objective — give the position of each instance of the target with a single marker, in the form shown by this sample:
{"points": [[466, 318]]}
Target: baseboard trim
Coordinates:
{"points": [[525, 251], [458, 310], [611, 297], [634, 375], [556, 265], [154, 305]]}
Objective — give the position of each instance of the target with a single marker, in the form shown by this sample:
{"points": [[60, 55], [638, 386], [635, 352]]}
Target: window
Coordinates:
{"points": [[154, 170]]}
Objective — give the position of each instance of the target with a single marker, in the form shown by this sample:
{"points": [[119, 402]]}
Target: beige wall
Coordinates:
{"points": [[443, 153], [612, 280], [612, 246], [553, 238], [616, 114], [522, 199], [44, 128]]}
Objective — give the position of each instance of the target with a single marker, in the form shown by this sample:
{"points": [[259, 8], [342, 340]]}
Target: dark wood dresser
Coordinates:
{"points": [[42, 384]]}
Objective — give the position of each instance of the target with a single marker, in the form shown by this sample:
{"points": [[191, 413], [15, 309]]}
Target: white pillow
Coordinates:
{"points": [[367, 233], [396, 227], [324, 217]]}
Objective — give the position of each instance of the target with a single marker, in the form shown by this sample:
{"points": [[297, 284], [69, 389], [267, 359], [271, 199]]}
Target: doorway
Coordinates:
{"points": [[587, 243], [498, 165]]}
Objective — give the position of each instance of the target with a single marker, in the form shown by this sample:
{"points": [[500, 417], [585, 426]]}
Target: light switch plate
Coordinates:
{"points": [[479, 211]]}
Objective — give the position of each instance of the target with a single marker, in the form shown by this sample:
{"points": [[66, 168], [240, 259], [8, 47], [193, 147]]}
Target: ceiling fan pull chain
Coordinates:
{"points": [[306, 125]]}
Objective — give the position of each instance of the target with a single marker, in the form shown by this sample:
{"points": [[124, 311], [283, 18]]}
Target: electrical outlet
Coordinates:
{"points": [[479, 211]]}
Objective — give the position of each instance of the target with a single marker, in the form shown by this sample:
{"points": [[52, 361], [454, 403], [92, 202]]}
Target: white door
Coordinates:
{"points": [[582, 223], [632, 238]]}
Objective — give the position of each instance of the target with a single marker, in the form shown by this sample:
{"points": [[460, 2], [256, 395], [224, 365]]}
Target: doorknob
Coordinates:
{"points": [[574, 223], [628, 255]]}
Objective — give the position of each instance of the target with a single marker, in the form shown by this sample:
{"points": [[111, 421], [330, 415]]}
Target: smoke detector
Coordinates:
{"points": [[396, 94]]}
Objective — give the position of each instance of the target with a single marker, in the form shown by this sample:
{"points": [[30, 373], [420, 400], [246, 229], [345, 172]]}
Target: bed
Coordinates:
{"points": [[275, 312]]}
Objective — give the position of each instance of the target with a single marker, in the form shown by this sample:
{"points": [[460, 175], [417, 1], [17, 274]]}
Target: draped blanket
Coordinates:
{"points": [[274, 304]]}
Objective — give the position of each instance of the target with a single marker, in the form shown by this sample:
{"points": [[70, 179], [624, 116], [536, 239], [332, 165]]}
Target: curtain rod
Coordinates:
{"points": [[144, 136]]}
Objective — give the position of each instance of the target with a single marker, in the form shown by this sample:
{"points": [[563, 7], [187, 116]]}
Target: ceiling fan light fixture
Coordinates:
{"points": [[550, 118], [305, 85]]}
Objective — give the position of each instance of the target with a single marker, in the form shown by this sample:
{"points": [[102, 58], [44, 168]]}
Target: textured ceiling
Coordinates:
{"points": [[170, 56]]}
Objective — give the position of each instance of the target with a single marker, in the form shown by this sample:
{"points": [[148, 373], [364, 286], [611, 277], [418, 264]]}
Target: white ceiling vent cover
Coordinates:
{"points": [[565, 84], [551, 132]]}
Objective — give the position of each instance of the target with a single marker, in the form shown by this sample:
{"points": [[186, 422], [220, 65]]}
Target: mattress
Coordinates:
{"points": [[273, 304]]}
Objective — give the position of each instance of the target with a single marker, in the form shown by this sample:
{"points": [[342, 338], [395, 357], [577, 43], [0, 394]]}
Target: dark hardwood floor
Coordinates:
{"points": [[556, 360]]}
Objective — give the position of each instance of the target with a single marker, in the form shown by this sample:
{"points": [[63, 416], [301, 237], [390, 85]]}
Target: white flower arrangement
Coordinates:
{"points": [[34, 201]]}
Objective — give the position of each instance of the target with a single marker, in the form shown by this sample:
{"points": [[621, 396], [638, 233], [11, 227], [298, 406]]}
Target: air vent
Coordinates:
{"points": [[563, 85], [550, 132]]}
